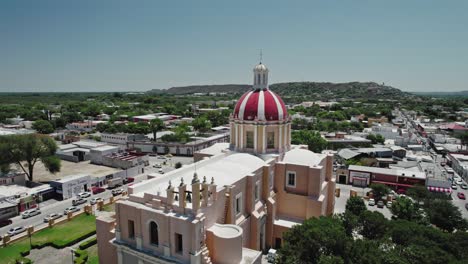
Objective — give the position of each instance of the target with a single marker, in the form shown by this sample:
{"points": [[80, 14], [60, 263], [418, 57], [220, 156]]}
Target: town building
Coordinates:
{"points": [[13, 177], [231, 205], [396, 178], [120, 138]]}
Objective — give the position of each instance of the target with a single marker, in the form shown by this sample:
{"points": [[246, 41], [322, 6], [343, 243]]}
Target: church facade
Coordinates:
{"points": [[233, 203]]}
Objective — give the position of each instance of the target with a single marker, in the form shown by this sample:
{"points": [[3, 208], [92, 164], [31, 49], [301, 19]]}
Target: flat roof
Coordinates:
{"points": [[303, 157], [10, 190], [105, 147], [71, 178], [214, 149], [394, 171]]}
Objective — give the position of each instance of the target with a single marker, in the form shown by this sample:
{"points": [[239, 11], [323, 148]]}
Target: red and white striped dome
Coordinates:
{"points": [[262, 105]]}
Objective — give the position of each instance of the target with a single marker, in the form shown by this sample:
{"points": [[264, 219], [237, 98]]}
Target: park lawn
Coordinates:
{"points": [[60, 235], [109, 207], [93, 255]]}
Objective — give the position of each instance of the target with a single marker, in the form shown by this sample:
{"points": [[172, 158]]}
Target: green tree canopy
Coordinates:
{"points": [[155, 126], [355, 205], [43, 127], [27, 150], [379, 190], [312, 139]]}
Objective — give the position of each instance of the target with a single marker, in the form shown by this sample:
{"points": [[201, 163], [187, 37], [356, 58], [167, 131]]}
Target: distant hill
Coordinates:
{"points": [[443, 94], [316, 89]]}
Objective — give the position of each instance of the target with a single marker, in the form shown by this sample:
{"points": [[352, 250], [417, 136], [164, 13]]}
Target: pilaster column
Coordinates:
{"points": [[280, 138], [255, 138]]}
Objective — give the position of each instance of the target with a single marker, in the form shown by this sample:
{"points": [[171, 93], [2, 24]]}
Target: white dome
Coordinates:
{"points": [[260, 67]]}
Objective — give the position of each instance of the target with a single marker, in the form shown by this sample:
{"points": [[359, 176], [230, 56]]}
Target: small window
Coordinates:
{"points": [[178, 243], [250, 139], [257, 191], [154, 233], [291, 179], [238, 203], [131, 229], [271, 140]]}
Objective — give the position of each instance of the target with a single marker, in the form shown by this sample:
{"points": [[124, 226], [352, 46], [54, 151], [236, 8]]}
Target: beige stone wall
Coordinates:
{"points": [[105, 233]]}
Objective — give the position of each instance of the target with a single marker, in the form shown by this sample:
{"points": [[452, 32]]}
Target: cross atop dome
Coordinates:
{"points": [[260, 76]]}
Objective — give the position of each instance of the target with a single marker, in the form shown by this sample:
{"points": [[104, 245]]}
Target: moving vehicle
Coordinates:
{"points": [[114, 183], [97, 190], [380, 204], [95, 200], [52, 216], [16, 230], [461, 196], [371, 202], [30, 213], [79, 201], [117, 191], [5, 222], [84, 195], [71, 209]]}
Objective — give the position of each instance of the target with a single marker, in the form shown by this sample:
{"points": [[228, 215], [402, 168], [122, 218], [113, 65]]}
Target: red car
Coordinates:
{"points": [[96, 190], [461, 196]]}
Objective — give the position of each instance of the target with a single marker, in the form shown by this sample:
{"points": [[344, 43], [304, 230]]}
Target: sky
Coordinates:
{"points": [[97, 45]]}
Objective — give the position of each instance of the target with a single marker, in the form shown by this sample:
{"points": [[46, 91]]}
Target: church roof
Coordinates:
{"points": [[262, 105]]}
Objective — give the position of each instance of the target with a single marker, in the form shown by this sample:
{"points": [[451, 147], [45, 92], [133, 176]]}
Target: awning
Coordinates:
{"points": [[439, 189], [393, 183]]}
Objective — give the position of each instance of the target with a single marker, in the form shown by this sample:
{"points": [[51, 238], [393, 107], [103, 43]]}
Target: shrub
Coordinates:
{"points": [[81, 256], [23, 260], [88, 243]]}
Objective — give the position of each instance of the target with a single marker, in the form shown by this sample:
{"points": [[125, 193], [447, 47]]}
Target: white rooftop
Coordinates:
{"points": [[394, 171], [215, 149], [303, 157], [225, 169], [72, 177]]}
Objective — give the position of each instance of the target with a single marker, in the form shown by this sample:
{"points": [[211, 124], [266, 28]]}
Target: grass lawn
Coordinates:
{"points": [[109, 207], [92, 255], [60, 235]]}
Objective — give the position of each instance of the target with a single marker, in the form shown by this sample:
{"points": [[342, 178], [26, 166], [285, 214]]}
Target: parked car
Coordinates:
{"points": [[459, 182], [128, 180], [16, 230], [157, 166], [5, 222], [161, 171], [52, 216], [152, 154], [461, 196], [79, 201], [464, 186], [97, 190], [71, 209], [371, 202], [30, 213], [95, 200], [454, 186], [380, 204], [271, 256], [117, 191], [84, 195], [389, 204], [466, 206], [161, 157]]}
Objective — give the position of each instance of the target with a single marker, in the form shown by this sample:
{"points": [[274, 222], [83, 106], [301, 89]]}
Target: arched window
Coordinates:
{"points": [[154, 233]]}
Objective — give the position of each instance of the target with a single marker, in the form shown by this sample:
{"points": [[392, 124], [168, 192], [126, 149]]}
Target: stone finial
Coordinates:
{"points": [[181, 181], [170, 185], [195, 178], [204, 179], [212, 180]]}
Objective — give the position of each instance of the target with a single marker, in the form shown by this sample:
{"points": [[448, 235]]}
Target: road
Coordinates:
{"points": [[53, 206]]}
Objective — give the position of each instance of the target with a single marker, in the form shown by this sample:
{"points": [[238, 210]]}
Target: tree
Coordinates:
{"points": [[373, 224], [315, 237], [418, 192], [155, 126], [43, 126], [445, 215], [379, 190], [355, 205], [403, 208], [27, 150], [376, 139], [201, 124], [312, 139]]}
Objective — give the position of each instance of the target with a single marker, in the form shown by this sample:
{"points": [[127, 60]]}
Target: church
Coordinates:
{"points": [[233, 203]]}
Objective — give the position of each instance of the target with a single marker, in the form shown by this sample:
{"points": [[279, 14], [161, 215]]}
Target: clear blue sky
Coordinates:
{"points": [[140, 45]]}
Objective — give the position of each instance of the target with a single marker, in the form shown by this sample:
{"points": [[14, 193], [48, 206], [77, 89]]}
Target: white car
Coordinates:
{"points": [[51, 217], [371, 202], [16, 230], [30, 213], [84, 195], [459, 182], [454, 187], [389, 204], [271, 256], [95, 200], [71, 209], [157, 166], [161, 171]]}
